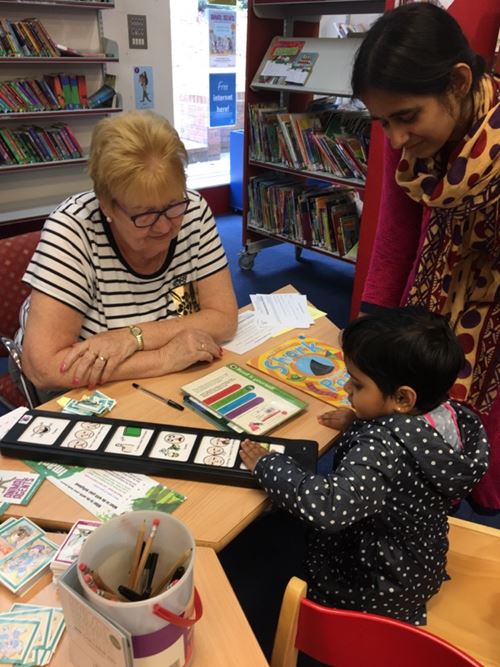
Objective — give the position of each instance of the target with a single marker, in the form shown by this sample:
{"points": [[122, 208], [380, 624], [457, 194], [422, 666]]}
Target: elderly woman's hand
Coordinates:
{"points": [[186, 348], [92, 361]]}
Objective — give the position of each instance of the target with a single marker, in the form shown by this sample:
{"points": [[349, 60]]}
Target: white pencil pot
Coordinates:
{"points": [[161, 626]]}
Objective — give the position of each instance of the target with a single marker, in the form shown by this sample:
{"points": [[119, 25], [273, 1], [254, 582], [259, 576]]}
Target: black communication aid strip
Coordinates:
{"points": [[142, 447]]}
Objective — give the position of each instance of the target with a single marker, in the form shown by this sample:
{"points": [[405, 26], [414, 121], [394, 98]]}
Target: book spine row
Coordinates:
{"points": [[30, 145], [319, 216], [50, 93], [26, 38], [301, 141]]}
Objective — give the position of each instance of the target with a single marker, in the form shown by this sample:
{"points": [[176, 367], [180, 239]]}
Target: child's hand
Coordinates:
{"points": [[251, 452], [340, 419]]}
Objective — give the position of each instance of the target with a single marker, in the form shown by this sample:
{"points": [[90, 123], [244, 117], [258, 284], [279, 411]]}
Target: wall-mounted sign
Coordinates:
{"points": [[222, 100]]}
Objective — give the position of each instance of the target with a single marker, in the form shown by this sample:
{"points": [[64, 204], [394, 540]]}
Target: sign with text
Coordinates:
{"points": [[222, 100]]}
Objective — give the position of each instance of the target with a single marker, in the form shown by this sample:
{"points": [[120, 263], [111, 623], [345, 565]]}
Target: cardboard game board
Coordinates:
{"points": [[142, 447]]}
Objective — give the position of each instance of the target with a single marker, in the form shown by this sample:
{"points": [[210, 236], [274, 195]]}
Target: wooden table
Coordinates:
{"points": [[222, 636], [214, 513]]}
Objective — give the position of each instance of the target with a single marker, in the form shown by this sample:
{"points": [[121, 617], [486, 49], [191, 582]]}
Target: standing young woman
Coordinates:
{"points": [[438, 237]]}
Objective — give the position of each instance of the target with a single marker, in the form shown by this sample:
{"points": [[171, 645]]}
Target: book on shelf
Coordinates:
{"points": [[263, 132], [26, 38], [75, 95], [70, 52], [279, 60], [81, 83], [30, 144], [307, 364], [318, 215], [332, 142], [102, 98], [246, 401], [301, 68], [50, 93], [54, 84], [25, 554], [66, 88]]}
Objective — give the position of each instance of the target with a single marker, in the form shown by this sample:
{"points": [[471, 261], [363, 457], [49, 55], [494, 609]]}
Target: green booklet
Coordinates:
{"points": [[245, 401]]}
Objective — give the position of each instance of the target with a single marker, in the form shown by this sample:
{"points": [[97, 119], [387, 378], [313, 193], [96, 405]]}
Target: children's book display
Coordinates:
{"points": [[25, 554], [241, 400], [142, 447], [309, 365]]}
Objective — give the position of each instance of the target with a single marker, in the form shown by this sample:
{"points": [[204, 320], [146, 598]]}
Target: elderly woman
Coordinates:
{"points": [[129, 280]]}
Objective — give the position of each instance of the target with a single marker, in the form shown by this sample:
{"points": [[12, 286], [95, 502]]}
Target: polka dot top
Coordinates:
{"points": [[378, 537]]}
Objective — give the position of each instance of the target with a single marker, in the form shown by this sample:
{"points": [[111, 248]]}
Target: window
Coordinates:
{"points": [[208, 147]]}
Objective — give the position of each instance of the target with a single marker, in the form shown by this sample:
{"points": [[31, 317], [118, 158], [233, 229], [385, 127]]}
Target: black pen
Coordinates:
{"points": [[168, 401]]}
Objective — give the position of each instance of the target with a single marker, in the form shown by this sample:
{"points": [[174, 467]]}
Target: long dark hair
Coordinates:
{"points": [[412, 50], [406, 346]]}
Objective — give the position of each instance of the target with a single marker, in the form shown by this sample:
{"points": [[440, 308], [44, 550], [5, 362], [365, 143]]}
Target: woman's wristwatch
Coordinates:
{"points": [[137, 334]]}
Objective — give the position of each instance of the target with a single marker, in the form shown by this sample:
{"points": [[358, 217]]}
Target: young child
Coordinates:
{"points": [[379, 520]]}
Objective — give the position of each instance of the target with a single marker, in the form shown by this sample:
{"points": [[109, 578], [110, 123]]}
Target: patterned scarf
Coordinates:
{"points": [[458, 270]]}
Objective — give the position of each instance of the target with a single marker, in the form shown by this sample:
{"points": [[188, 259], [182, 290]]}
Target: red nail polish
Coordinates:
{"points": [[63, 368], [76, 381]]}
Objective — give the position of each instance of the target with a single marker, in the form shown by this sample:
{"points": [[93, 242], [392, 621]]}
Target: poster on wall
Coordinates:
{"points": [[222, 38], [143, 87], [222, 100]]}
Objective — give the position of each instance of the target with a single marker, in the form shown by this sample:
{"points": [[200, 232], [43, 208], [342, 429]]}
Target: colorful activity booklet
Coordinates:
{"points": [[246, 402], [309, 365]]}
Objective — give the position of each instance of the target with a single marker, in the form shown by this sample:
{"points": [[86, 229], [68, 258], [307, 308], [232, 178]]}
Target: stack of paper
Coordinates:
{"points": [[30, 634], [25, 554], [282, 310], [252, 331], [69, 550]]}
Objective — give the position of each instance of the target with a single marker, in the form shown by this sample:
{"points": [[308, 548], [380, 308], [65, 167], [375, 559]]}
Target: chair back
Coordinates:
{"points": [[15, 254], [344, 638]]}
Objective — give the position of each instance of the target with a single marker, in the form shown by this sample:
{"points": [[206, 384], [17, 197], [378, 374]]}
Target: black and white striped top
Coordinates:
{"points": [[79, 263]]}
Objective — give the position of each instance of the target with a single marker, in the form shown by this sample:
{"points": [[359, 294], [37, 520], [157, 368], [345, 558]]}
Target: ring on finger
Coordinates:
{"points": [[203, 346], [101, 358]]}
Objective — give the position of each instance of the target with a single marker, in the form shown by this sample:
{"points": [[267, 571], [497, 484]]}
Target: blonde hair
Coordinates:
{"points": [[137, 153]]}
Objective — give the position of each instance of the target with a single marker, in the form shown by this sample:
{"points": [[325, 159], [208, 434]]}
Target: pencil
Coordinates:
{"points": [[136, 556], [145, 554], [85, 569], [166, 579]]}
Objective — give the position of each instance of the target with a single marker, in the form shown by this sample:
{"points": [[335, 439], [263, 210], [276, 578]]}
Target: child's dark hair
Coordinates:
{"points": [[406, 346], [412, 49]]}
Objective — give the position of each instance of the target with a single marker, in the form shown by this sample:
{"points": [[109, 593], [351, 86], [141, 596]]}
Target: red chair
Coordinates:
{"points": [[343, 638], [15, 254]]}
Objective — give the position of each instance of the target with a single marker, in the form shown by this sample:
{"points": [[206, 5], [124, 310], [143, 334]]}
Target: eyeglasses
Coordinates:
{"points": [[149, 218]]}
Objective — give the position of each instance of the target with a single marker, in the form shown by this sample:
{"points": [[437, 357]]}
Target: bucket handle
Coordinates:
{"points": [[167, 615]]}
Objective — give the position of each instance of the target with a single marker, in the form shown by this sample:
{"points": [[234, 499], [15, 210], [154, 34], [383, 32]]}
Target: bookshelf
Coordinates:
{"points": [[279, 21], [30, 191]]}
